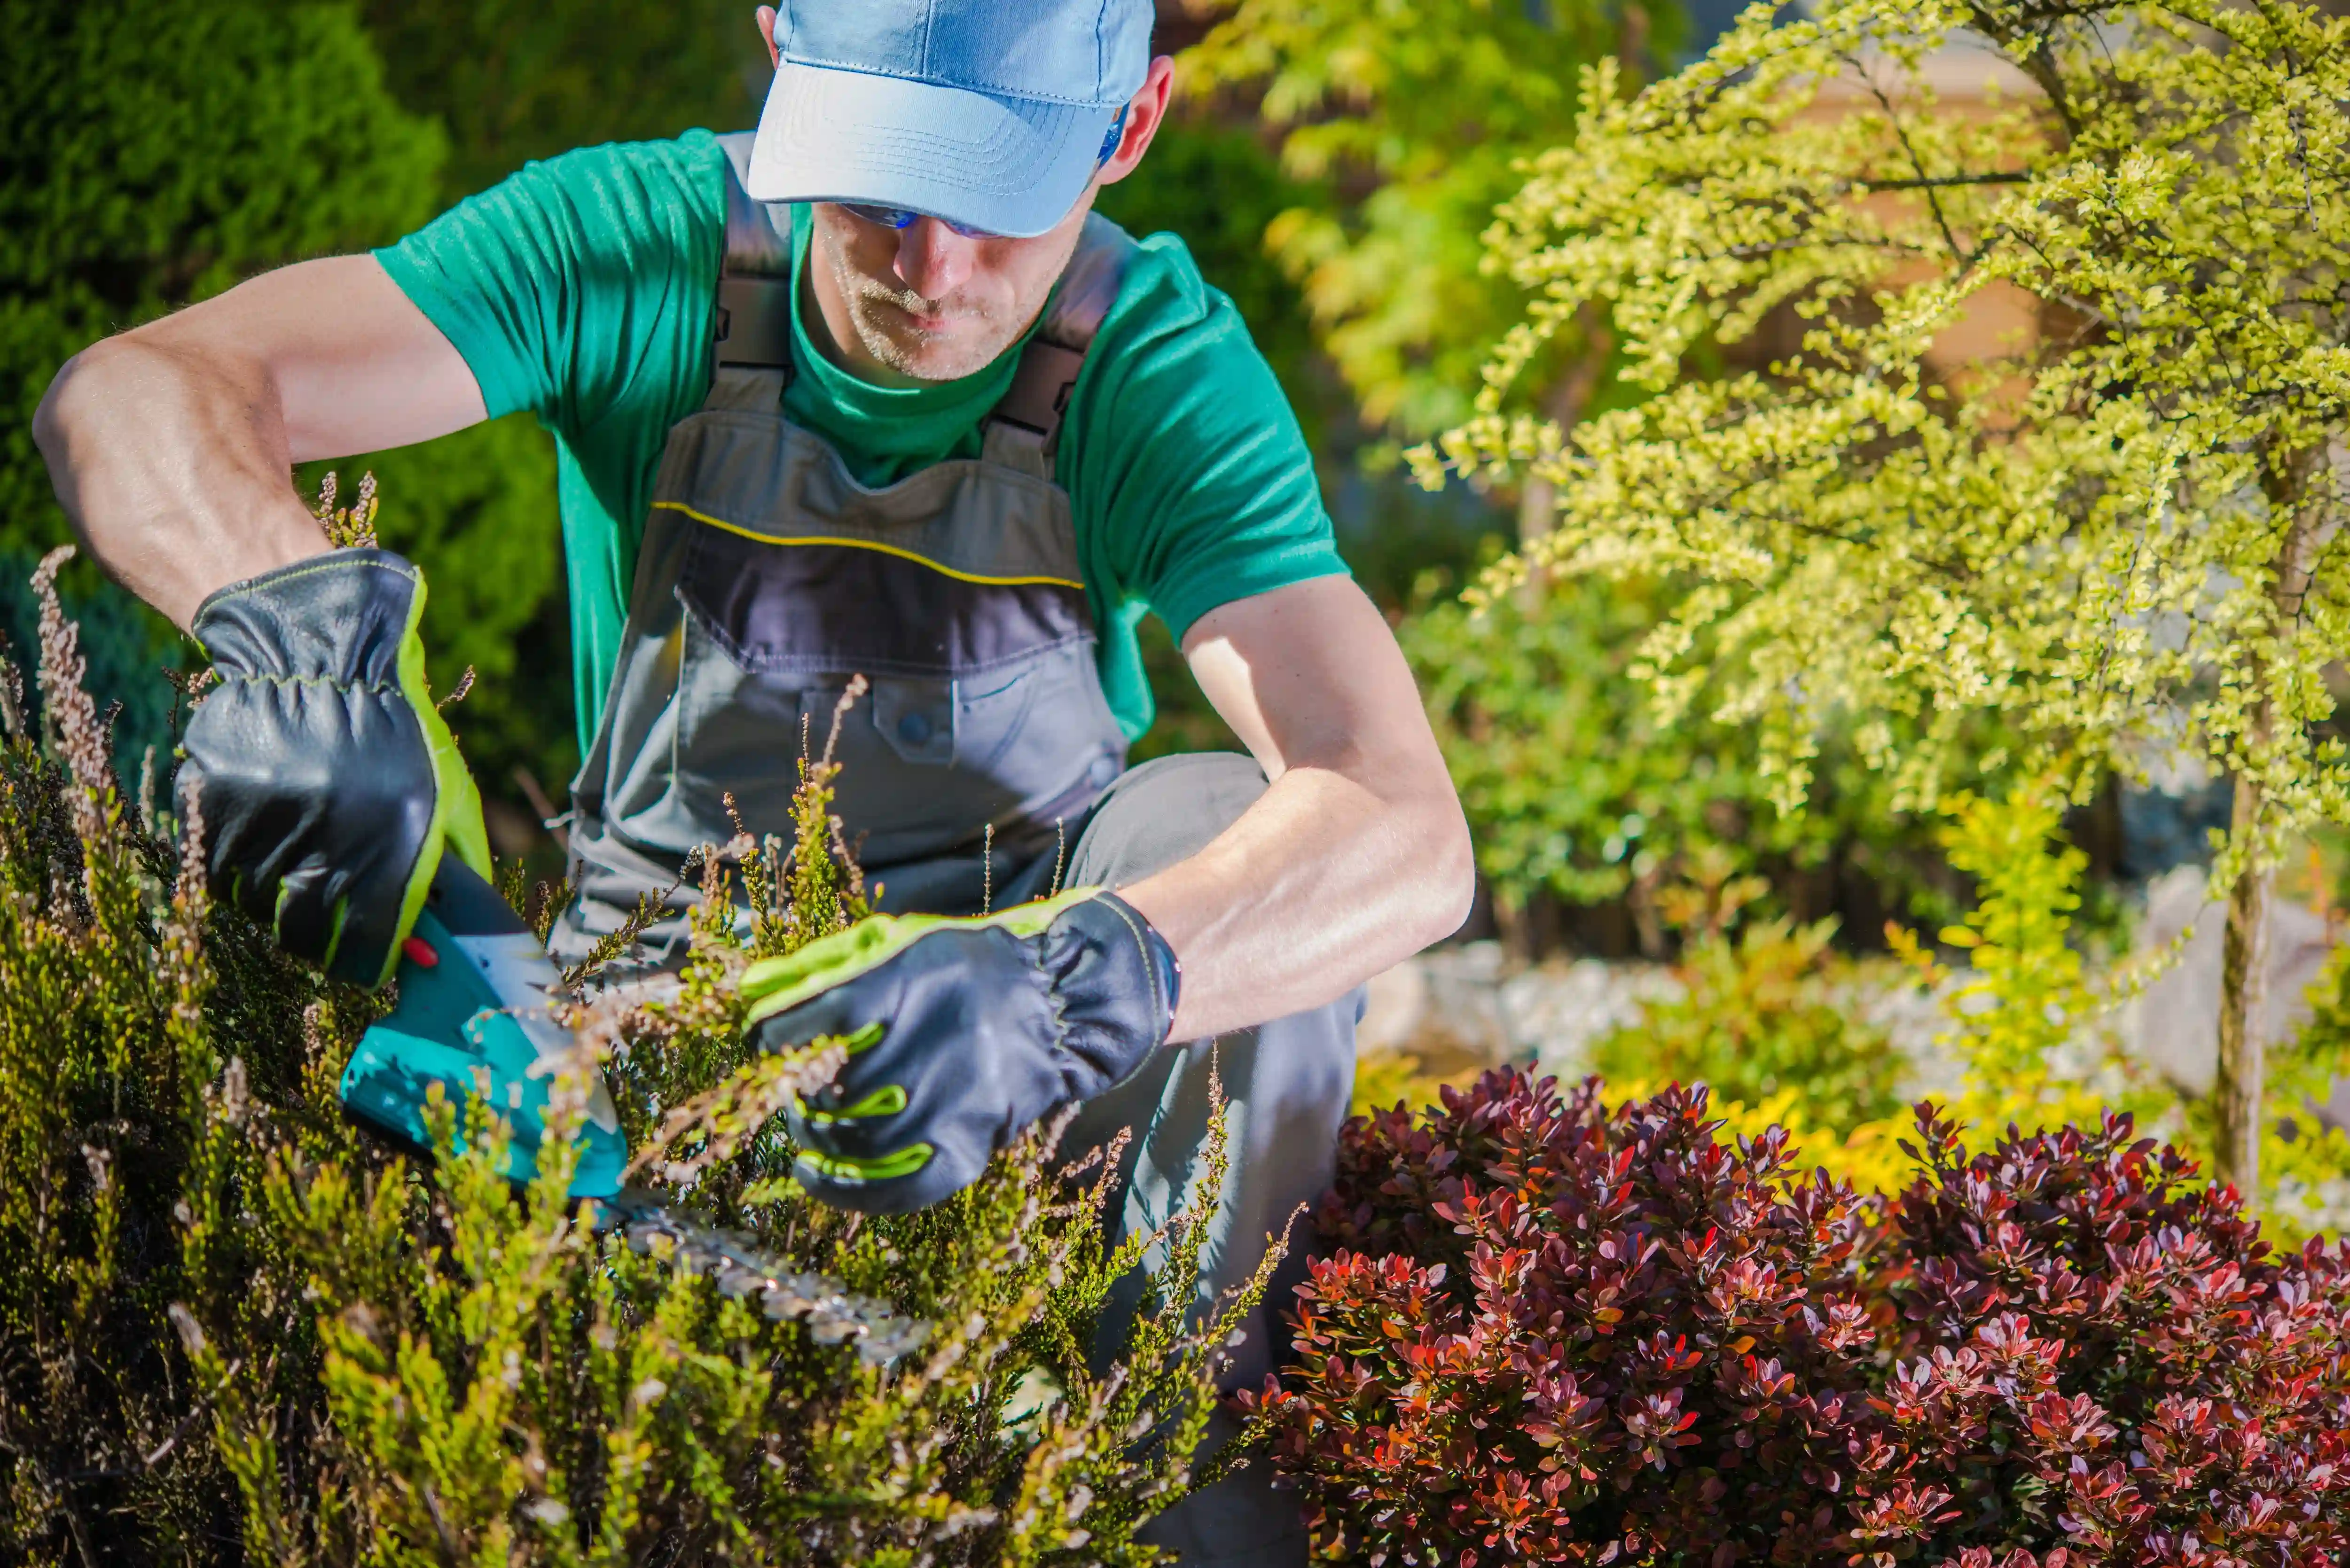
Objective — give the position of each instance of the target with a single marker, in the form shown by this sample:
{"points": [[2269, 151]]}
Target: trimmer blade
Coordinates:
{"points": [[833, 1313]]}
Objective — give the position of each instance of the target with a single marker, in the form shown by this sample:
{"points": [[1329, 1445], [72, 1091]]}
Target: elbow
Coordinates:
{"points": [[63, 419], [62, 426], [102, 404], [1449, 875], [53, 417]]}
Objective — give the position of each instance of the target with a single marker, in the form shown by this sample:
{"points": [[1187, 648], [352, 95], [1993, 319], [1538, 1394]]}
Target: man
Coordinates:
{"points": [[871, 400]]}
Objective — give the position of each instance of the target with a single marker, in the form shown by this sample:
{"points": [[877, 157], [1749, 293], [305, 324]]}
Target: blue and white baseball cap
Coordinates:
{"points": [[988, 113]]}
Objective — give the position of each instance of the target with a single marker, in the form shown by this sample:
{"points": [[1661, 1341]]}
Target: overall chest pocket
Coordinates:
{"points": [[983, 705], [846, 603]]}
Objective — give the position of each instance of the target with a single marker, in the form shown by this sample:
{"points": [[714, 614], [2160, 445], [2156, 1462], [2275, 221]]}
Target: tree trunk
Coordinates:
{"points": [[2288, 480], [1537, 509], [2244, 972]]}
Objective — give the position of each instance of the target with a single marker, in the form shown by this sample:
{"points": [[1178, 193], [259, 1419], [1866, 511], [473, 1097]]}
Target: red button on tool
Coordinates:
{"points": [[419, 952]]}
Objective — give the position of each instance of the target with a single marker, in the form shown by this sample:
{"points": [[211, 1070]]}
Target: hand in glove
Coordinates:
{"points": [[961, 1032], [328, 782]]}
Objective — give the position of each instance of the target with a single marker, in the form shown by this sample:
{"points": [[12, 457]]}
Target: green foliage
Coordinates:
{"points": [[2025, 1016], [1764, 1008], [1408, 117], [230, 1330], [1569, 783], [512, 81], [150, 165], [1579, 782], [2119, 527], [2025, 996]]}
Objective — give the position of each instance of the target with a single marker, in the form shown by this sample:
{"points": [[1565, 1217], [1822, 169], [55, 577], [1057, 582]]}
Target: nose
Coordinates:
{"points": [[932, 259]]}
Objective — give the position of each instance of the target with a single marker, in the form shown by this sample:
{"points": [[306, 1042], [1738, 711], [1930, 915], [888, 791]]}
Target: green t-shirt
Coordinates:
{"points": [[581, 289]]}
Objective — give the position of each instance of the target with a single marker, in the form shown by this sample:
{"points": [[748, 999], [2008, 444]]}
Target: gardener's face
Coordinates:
{"points": [[927, 304]]}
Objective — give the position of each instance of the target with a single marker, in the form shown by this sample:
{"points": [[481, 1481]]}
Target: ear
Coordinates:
{"points": [[766, 17], [1145, 112]]}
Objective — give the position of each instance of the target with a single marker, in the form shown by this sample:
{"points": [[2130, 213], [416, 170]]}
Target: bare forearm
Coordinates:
{"points": [[173, 469], [1323, 883], [170, 446]]}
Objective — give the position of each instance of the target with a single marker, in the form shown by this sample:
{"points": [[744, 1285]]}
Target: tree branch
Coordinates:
{"points": [[2019, 177]]}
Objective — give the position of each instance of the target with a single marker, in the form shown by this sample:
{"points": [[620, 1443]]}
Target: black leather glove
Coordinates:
{"points": [[961, 1032], [328, 782]]}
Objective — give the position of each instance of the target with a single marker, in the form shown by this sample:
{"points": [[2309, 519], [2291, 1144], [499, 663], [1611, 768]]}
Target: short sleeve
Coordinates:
{"points": [[1183, 456], [582, 286]]}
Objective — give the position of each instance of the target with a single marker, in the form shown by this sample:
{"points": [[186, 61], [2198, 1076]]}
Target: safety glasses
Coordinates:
{"points": [[907, 217]]}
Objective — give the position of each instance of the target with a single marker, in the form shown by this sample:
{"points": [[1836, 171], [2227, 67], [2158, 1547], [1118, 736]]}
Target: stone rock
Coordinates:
{"points": [[1463, 1003], [1560, 1011]]}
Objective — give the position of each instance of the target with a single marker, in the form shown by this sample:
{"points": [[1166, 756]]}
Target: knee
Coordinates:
{"points": [[1164, 811], [1313, 1057]]}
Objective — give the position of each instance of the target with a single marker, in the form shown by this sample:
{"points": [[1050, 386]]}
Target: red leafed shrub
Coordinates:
{"points": [[1547, 1333], [2098, 1355], [1552, 1334]]}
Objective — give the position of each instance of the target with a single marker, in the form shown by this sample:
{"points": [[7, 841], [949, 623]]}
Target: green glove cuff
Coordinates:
{"points": [[774, 984], [457, 822]]}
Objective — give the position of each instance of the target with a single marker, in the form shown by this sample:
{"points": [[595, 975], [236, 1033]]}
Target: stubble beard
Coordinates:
{"points": [[882, 317]]}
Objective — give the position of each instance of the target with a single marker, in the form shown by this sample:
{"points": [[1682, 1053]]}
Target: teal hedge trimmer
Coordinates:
{"points": [[474, 1017], [335, 810]]}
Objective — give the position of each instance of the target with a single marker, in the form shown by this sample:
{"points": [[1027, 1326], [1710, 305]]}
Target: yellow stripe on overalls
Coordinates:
{"points": [[937, 566]]}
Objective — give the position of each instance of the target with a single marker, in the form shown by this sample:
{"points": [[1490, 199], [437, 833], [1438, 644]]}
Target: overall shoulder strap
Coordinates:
{"points": [[1024, 428], [752, 322]]}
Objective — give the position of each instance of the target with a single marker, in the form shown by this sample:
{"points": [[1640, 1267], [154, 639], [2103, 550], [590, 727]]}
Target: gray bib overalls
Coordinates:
{"points": [[768, 578]]}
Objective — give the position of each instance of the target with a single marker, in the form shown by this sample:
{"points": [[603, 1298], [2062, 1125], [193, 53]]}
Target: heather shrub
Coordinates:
{"points": [[231, 1329], [1552, 1332]]}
